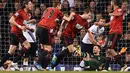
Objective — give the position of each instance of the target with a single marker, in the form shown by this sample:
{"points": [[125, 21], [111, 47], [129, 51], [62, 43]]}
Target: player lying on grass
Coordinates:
{"points": [[92, 62]]}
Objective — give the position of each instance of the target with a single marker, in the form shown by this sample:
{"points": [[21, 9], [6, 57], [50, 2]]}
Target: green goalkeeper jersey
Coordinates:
{"points": [[96, 61]]}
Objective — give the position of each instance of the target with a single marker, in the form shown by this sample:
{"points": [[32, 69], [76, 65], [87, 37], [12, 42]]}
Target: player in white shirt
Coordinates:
{"points": [[89, 39], [30, 35]]}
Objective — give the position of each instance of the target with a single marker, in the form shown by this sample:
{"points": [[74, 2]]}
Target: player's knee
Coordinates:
{"points": [[27, 45], [12, 49]]}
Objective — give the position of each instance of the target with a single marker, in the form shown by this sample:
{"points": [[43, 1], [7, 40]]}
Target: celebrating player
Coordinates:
{"points": [[17, 22], [46, 26], [115, 33], [72, 28]]}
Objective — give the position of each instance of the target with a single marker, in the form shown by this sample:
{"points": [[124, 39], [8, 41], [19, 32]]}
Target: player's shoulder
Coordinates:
{"points": [[52, 8], [77, 16], [94, 26], [20, 10]]}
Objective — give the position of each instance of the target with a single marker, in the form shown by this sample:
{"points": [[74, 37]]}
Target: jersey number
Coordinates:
{"points": [[51, 13]]}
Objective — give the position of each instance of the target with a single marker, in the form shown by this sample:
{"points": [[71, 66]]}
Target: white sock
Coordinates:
{"points": [[25, 63]]}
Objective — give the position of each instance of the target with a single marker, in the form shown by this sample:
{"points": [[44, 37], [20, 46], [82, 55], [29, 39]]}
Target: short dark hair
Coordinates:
{"points": [[117, 2], [24, 3], [98, 46], [56, 3], [87, 10]]}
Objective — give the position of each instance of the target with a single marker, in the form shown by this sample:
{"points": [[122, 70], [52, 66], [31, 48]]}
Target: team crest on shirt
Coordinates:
{"points": [[119, 9], [78, 26], [16, 14]]}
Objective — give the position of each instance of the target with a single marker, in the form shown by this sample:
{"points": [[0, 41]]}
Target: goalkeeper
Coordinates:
{"points": [[92, 62]]}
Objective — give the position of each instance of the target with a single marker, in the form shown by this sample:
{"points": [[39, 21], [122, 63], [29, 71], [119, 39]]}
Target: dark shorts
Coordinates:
{"points": [[43, 36], [112, 40], [17, 38], [87, 48], [67, 40], [32, 51]]}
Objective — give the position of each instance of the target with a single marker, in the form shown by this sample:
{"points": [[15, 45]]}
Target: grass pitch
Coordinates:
{"points": [[60, 72]]}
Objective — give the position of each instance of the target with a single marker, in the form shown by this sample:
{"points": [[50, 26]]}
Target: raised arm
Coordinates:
{"points": [[69, 18], [116, 14], [61, 28], [102, 24]]}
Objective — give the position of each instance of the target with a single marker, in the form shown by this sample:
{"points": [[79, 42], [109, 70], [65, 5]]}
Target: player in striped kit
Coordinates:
{"points": [[31, 38]]}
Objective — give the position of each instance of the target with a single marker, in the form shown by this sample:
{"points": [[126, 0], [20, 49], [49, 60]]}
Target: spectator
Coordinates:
{"points": [[72, 9], [47, 2], [78, 6], [99, 16], [127, 58], [37, 14], [100, 40], [82, 33], [124, 6], [71, 3], [75, 42], [57, 45], [92, 6], [101, 5], [1, 4], [42, 7], [65, 5], [77, 46], [17, 6], [108, 10]]}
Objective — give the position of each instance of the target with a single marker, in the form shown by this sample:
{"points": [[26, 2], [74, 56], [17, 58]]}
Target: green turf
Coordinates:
{"points": [[60, 72]]}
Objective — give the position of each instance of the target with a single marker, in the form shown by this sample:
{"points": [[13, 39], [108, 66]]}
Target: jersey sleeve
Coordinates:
{"points": [[17, 14], [92, 29]]}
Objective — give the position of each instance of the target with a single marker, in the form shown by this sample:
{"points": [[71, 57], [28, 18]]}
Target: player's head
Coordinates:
{"points": [[96, 49], [57, 4], [102, 20], [116, 2], [87, 13], [27, 4]]}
